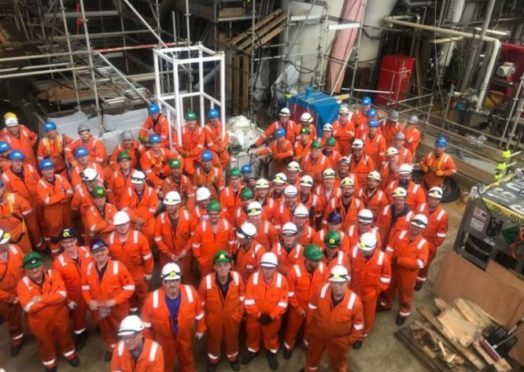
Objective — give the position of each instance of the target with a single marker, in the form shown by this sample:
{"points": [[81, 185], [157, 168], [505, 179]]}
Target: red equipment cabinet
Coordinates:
{"points": [[395, 75]]}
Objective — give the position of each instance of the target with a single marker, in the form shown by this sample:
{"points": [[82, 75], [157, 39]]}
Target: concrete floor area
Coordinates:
{"points": [[380, 352]]}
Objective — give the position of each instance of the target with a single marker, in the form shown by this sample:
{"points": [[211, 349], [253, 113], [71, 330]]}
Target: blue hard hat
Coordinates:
{"points": [[441, 142], [334, 218], [4, 147], [372, 113], [246, 169], [47, 163], [49, 125], [81, 152], [207, 156], [155, 138], [153, 108], [366, 101], [280, 132], [373, 123], [97, 244], [213, 113], [16, 155]]}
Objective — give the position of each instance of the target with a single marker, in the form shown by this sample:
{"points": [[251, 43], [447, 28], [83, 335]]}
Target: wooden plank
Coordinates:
{"points": [[245, 83], [259, 24], [462, 330], [404, 335], [263, 31], [470, 356], [268, 37]]}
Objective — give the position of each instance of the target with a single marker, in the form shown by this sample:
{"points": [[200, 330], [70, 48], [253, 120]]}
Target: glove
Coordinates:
{"points": [[72, 305], [264, 319], [147, 277]]}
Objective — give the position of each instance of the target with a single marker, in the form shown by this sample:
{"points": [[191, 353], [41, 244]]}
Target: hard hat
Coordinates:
{"points": [[306, 181], [371, 113], [357, 144], [289, 228], [435, 192], [4, 236], [293, 166], [334, 218], [339, 274], [393, 115], [280, 179], [405, 169], [202, 193], [138, 177], [16, 155], [284, 112], [98, 192], [175, 164], [172, 198], [328, 174], [331, 141], [130, 325], [373, 123], [10, 119], [46, 164], [190, 116], [49, 125], [280, 132], [97, 244], [441, 142], [153, 108], [121, 218], [269, 259], [126, 135], [413, 119], [89, 174], [400, 136], [366, 101], [32, 260], [213, 113], [313, 252], [214, 206], [206, 156], [344, 110], [305, 130], [332, 239], [4, 147], [246, 194], [246, 168], [344, 160], [222, 257], [123, 155], [81, 152], [171, 271], [420, 220], [400, 192], [290, 190], [391, 151], [262, 183], [365, 216], [301, 211], [235, 172], [254, 209], [247, 230], [347, 182], [316, 144], [68, 233], [368, 241], [154, 138], [327, 127], [82, 127], [306, 117], [374, 175]]}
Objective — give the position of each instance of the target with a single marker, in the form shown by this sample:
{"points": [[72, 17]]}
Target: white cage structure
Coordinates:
{"points": [[173, 63]]}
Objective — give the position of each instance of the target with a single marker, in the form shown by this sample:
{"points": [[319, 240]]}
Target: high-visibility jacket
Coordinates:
{"points": [[247, 258], [354, 234], [171, 240], [239, 217], [216, 143], [304, 285], [11, 271], [349, 213], [95, 147], [159, 126], [412, 138], [159, 325], [55, 200], [387, 174], [315, 167], [405, 156], [134, 253], [416, 195], [100, 222], [333, 157], [14, 211], [266, 298], [192, 142], [82, 199], [313, 204], [375, 202], [266, 233], [281, 150], [361, 168], [390, 130], [301, 149], [344, 134], [24, 143], [308, 235], [77, 171], [135, 152], [287, 258], [117, 185], [54, 149], [341, 258], [268, 206], [292, 130], [282, 214], [230, 201], [156, 165], [325, 196], [151, 358], [183, 186], [436, 169], [375, 147], [277, 198], [23, 184], [213, 180], [388, 226], [344, 239], [141, 207], [207, 242]]}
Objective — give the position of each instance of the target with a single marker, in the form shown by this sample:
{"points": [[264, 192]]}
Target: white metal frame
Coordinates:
{"points": [[180, 58]]}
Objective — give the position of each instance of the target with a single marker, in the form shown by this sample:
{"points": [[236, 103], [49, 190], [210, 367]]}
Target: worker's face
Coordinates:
{"points": [[203, 203], [255, 220], [214, 122], [398, 143], [339, 288], [315, 153], [288, 241], [329, 183], [251, 182], [139, 187], [177, 172], [415, 230], [128, 143], [36, 274], [52, 134], [284, 119], [155, 116], [392, 159], [311, 265], [290, 201], [49, 173], [14, 130], [70, 246], [439, 150], [344, 118], [300, 221], [171, 209], [191, 125], [83, 161], [328, 149], [305, 138], [124, 228], [363, 227], [134, 341], [222, 269], [433, 202], [262, 193], [327, 133], [155, 147], [399, 203], [334, 226], [357, 153], [172, 287], [84, 135], [100, 201], [234, 182], [372, 184], [280, 188], [331, 251], [348, 191], [372, 130], [343, 168], [243, 241], [207, 165], [305, 190], [125, 164], [403, 180], [100, 256], [213, 217], [268, 272], [367, 252], [292, 175], [17, 165]]}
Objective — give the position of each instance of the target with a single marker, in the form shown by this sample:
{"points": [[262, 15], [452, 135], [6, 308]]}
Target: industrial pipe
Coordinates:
{"points": [[416, 4], [491, 63]]}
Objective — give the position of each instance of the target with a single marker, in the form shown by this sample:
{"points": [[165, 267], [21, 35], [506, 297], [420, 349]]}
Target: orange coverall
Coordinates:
{"points": [[159, 326], [247, 259], [375, 148], [14, 211], [349, 214], [216, 143], [408, 257], [333, 328], [11, 271], [390, 130], [412, 138], [388, 227], [315, 168], [100, 222], [23, 143], [77, 171], [308, 236], [116, 284], [134, 153], [156, 165], [281, 150], [292, 130], [325, 197], [192, 146], [223, 315], [70, 271], [341, 258], [416, 195], [54, 149], [95, 147], [286, 259], [207, 242], [230, 201], [117, 185], [213, 180], [436, 169], [387, 174], [369, 277], [151, 358], [266, 234], [159, 126], [354, 237], [375, 203], [344, 134], [183, 186], [361, 168], [265, 298], [48, 319], [344, 239], [141, 207]]}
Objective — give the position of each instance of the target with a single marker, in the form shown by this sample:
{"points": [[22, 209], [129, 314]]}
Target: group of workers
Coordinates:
{"points": [[338, 232]]}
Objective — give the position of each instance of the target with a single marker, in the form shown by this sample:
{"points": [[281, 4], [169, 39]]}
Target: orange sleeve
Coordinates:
{"points": [[282, 304], [292, 296], [270, 130], [385, 275], [128, 285], [147, 316], [358, 321], [250, 302], [199, 311], [58, 291], [161, 245], [147, 256], [158, 365], [46, 198]]}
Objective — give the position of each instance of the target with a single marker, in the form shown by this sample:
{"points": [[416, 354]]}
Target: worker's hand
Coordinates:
{"points": [[93, 305], [199, 335], [36, 299], [72, 305], [147, 277], [110, 303], [439, 173], [301, 312], [264, 319], [182, 254]]}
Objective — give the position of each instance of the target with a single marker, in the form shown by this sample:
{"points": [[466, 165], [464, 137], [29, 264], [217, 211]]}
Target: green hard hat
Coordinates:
{"points": [[331, 141], [235, 172], [214, 206], [246, 194], [123, 155], [222, 257], [190, 116], [305, 131], [313, 253], [98, 191], [316, 144], [332, 239], [33, 260], [174, 163]]}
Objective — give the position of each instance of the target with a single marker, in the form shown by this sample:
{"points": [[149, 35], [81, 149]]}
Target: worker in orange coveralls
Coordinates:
{"points": [[240, 215], [330, 151], [247, 251], [132, 249], [344, 130], [309, 199], [42, 295], [327, 133], [334, 322], [370, 276], [436, 230], [334, 223], [230, 195], [266, 302], [302, 145], [267, 235], [416, 195], [347, 205], [99, 217], [333, 252], [307, 121], [284, 212], [83, 199], [95, 147], [305, 280], [262, 196], [372, 197], [364, 225], [193, 139], [222, 292], [374, 143], [277, 190], [54, 195], [106, 288], [70, 264], [155, 161], [395, 217], [389, 168], [290, 127], [5, 149], [155, 123], [360, 115], [437, 164], [409, 254], [173, 315], [208, 175], [19, 137], [288, 250], [140, 202], [180, 183], [210, 236], [315, 162], [328, 190], [11, 271], [412, 134], [52, 146], [306, 234], [391, 127], [280, 149], [83, 162], [120, 179], [360, 164], [293, 173], [130, 146], [404, 155], [361, 127], [214, 140], [134, 352]]}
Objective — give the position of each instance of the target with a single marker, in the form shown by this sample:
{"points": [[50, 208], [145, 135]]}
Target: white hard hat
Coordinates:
{"points": [[269, 259], [327, 127], [391, 151], [368, 241], [4, 236], [202, 193], [413, 119], [420, 220], [11, 120], [171, 271], [347, 181], [284, 112], [400, 136], [344, 159], [301, 211], [343, 110], [306, 116], [138, 177], [280, 179], [247, 230], [262, 183], [89, 174], [374, 175], [172, 198], [290, 190], [289, 228], [293, 166], [400, 192], [405, 169], [254, 209], [130, 325], [357, 144], [306, 181], [435, 192], [121, 218], [339, 274], [365, 216], [328, 173]]}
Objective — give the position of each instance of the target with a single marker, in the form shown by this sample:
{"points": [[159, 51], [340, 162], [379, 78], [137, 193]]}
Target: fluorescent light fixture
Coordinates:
{"points": [[343, 26], [311, 17]]}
